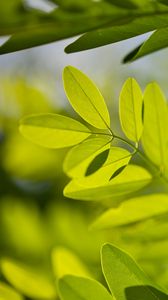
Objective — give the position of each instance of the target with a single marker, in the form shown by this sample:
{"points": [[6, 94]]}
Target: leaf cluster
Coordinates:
{"points": [[99, 169], [98, 22], [124, 278]]}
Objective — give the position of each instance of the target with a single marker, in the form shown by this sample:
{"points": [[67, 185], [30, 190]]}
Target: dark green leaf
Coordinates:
{"points": [[157, 41], [115, 34]]}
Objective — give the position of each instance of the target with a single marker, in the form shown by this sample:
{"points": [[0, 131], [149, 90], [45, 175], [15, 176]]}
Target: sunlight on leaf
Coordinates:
{"points": [[121, 272], [133, 210], [130, 180], [8, 293], [85, 98], [53, 130], [80, 156], [117, 158], [75, 288], [155, 136], [131, 110], [65, 262], [30, 282]]}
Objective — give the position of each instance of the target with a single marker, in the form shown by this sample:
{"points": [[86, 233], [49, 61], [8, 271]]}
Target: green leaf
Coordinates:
{"points": [[40, 36], [75, 288], [8, 293], [130, 180], [141, 208], [157, 41], [30, 282], [140, 292], [106, 36], [122, 272], [66, 262], [117, 158], [85, 98], [79, 157], [131, 110], [53, 130], [155, 136]]}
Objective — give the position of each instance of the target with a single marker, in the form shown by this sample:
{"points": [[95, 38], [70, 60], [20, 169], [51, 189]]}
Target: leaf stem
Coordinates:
{"points": [[144, 157]]}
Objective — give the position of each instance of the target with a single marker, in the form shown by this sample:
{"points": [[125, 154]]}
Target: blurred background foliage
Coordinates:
{"points": [[42, 234]]}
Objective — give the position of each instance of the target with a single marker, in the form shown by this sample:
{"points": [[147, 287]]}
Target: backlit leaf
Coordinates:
{"points": [[65, 262], [28, 281], [8, 293], [53, 130], [130, 180], [155, 136], [117, 158], [131, 110], [133, 210], [85, 98], [80, 156], [75, 288], [122, 272]]}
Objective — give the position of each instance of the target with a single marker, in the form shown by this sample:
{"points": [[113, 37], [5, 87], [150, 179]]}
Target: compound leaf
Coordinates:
{"points": [[53, 130], [85, 98], [131, 110]]}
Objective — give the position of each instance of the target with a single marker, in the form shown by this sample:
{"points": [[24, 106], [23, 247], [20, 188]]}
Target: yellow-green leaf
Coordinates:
{"points": [[8, 293], [155, 135], [117, 158], [53, 130], [65, 262], [30, 282], [85, 98], [131, 110], [133, 210], [125, 278], [76, 288], [130, 180], [80, 156]]}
